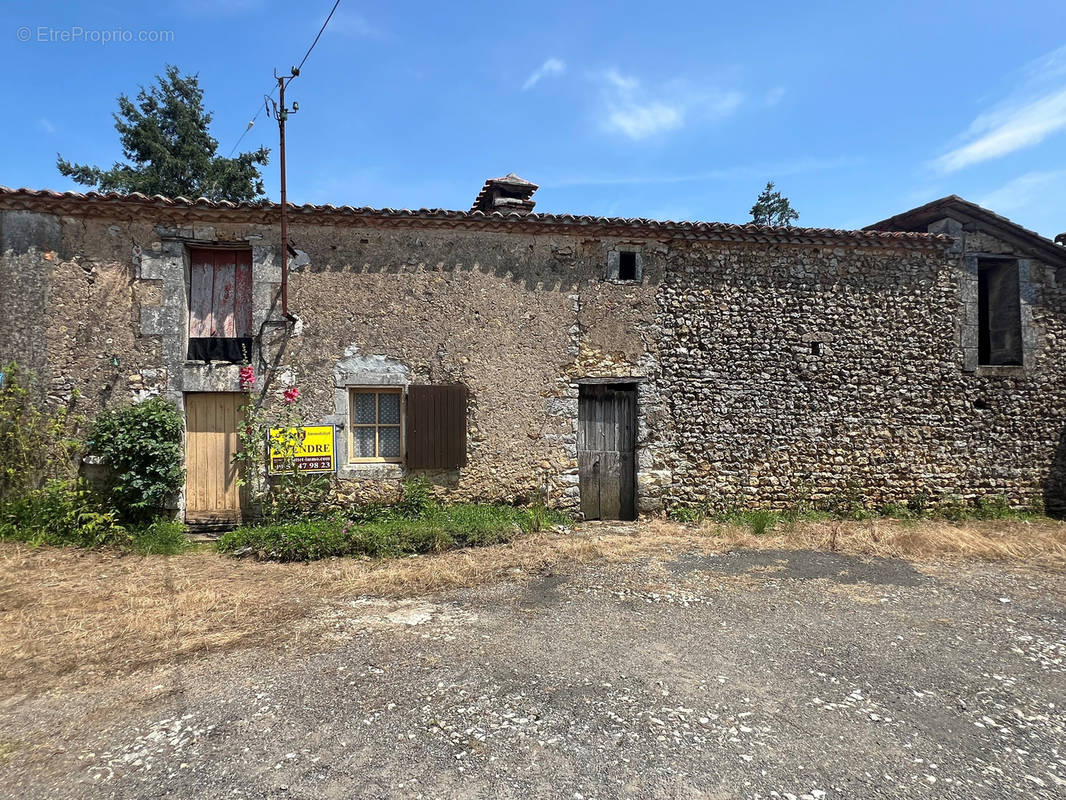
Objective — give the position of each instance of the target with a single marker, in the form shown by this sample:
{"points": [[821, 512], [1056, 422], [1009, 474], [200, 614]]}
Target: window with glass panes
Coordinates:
{"points": [[375, 425]]}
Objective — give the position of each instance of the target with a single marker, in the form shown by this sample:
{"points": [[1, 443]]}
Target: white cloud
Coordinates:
{"points": [[775, 96], [1024, 192], [46, 125], [637, 113], [1035, 110], [639, 121], [551, 67]]}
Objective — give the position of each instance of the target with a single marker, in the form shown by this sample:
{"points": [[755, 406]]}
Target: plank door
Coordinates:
{"points": [[606, 450], [211, 492]]}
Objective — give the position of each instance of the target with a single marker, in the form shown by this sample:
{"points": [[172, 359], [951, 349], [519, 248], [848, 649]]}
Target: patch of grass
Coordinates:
{"points": [[387, 534], [162, 537]]}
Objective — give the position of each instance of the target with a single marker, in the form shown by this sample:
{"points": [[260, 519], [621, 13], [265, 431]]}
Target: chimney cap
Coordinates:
{"points": [[509, 193]]}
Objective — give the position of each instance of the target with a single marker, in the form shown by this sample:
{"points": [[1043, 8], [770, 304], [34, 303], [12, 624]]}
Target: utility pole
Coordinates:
{"points": [[282, 114]]}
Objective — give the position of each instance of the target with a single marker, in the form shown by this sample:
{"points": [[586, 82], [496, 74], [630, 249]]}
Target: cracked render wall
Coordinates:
{"points": [[768, 374]]}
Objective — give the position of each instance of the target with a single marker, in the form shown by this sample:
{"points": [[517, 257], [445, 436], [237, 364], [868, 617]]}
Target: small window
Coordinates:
{"points": [[376, 430], [624, 265], [999, 314]]}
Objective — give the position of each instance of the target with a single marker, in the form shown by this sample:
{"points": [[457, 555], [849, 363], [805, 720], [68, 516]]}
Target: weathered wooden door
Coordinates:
{"points": [[606, 445], [211, 492]]}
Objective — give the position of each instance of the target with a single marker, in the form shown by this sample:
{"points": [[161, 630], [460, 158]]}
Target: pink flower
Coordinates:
{"points": [[247, 377], [292, 394]]}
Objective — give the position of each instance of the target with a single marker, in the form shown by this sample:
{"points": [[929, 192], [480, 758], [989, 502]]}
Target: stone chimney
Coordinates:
{"points": [[508, 195]]}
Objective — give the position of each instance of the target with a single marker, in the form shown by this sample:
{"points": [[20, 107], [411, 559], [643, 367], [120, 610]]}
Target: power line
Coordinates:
{"points": [[296, 72], [250, 124], [319, 36]]}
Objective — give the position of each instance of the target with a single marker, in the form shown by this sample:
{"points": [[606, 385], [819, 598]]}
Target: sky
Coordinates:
{"points": [[857, 111]]}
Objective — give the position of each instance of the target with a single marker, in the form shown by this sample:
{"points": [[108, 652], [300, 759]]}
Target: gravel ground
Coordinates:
{"points": [[753, 674]]}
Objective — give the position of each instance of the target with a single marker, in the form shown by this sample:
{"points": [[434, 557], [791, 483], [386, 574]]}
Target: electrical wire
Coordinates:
{"points": [[250, 124], [297, 71], [319, 36]]}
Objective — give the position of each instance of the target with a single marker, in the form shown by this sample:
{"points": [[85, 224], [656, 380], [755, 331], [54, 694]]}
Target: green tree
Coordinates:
{"points": [[773, 209], [165, 138]]}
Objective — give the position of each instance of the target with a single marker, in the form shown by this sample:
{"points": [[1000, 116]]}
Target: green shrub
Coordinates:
{"points": [[62, 513], [142, 446], [438, 528]]}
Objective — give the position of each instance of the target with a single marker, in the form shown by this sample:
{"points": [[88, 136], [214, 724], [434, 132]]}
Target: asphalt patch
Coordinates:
{"points": [[802, 565]]}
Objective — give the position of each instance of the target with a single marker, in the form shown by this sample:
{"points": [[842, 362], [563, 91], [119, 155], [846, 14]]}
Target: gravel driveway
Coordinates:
{"points": [[785, 674]]}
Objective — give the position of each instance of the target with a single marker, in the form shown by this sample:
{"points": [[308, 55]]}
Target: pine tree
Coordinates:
{"points": [[773, 209], [165, 139]]}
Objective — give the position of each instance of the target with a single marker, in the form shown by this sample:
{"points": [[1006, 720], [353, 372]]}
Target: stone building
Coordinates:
{"points": [[612, 365]]}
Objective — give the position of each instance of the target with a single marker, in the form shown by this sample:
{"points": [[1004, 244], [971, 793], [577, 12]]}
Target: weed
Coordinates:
{"points": [[761, 522], [62, 513], [162, 537]]}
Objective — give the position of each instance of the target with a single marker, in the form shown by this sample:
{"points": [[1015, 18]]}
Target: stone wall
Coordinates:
{"points": [[768, 373], [801, 374]]}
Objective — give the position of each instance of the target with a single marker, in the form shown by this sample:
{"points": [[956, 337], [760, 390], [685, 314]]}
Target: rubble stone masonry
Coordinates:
{"points": [[769, 372]]}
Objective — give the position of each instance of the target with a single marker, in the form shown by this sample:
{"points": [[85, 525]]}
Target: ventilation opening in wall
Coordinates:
{"points": [[627, 265], [980, 404], [816, 348]]}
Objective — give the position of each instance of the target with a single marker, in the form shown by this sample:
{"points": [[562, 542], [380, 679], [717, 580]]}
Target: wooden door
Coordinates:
{"points": [[211, 492], [606, 450]]}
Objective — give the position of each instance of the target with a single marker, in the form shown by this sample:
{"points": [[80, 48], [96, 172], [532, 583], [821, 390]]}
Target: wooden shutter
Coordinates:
{"points": [[436, 426]]}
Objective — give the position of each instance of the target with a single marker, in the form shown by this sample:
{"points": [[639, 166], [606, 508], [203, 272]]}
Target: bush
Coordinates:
{"points": [[141, 444], [390, 534], [62, 513]]}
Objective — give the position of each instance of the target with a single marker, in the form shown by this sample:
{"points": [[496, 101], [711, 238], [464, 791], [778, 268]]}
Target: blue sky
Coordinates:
{"points": [[673, 110]]}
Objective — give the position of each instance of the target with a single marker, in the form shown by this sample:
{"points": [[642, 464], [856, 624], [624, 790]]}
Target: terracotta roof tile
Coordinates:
{"points": [[74, 202]]}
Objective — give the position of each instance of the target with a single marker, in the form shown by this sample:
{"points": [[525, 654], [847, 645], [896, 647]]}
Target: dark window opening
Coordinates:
{"points": [[999, 314], [627, 266], [980, 404], [816, 348]]}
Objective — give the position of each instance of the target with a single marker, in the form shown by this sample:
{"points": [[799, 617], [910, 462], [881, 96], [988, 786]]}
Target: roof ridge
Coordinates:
{"points": [[744, 231]]}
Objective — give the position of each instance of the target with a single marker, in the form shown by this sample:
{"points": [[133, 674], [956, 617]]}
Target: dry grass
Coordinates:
{"points": [[70, 616]]}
